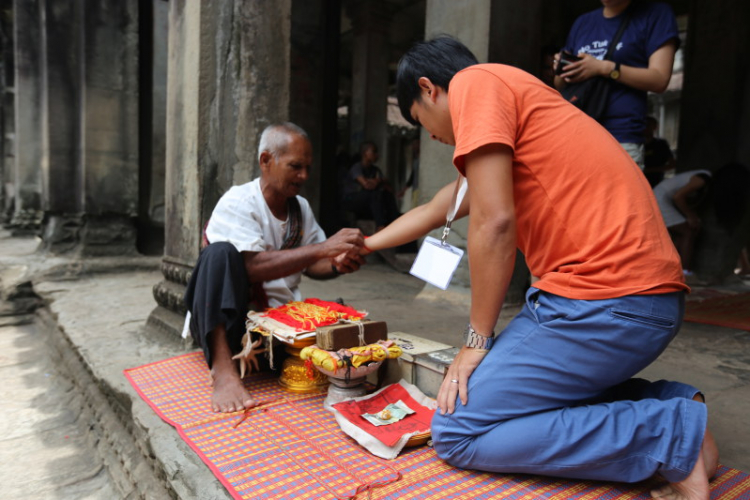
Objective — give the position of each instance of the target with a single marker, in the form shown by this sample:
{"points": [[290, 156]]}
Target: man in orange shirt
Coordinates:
{"points": [[553, 393]]}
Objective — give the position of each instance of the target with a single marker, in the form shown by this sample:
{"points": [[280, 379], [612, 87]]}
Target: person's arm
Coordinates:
{"points": [[344, 263], [492, 253], [274, 264], [418, 221], [367, 183], [680, 199], [653, 78]]}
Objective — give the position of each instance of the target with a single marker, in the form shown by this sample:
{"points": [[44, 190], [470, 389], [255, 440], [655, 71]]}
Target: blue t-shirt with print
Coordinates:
{"points": [[651, 26]]}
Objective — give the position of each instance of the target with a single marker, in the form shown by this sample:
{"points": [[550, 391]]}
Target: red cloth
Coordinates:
{"points": [[281, 315], [389, 434]]}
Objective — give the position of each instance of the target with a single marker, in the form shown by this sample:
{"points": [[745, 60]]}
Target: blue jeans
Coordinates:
{"points": [[555, 396]]}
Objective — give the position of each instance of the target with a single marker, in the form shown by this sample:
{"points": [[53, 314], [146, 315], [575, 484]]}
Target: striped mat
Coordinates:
{"points": [[728, 310], [295, 450]]}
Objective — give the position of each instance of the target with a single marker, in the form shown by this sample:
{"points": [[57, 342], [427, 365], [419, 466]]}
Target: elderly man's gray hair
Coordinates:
{"points": [[275, 138]]}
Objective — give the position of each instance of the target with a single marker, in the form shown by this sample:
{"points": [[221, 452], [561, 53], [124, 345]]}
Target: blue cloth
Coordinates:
{"points": [[554, 395], [651, 26]]}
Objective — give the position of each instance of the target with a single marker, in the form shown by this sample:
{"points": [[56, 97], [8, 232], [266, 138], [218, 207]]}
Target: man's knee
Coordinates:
{"points": [[217, 259], [452, 445], [220, 248], [456, 451]]}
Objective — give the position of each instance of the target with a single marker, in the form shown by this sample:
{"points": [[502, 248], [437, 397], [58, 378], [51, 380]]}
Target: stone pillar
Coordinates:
{"points": [[714, 130], [7, 117], [61, 125], [153, 39], [314, 85], [511, 21], [27, 182], [228, 79], [109, 128], [482, 27], [469, 22], [368, 110], [90, 123]]}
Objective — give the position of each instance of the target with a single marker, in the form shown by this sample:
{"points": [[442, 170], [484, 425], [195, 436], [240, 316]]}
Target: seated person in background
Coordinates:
{"points": [[676, 197], [261, 235], [657, 155], [366, 191]]}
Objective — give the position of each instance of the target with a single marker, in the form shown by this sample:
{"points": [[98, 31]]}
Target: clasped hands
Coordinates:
{"points": [[345, 252], [588, 67]]}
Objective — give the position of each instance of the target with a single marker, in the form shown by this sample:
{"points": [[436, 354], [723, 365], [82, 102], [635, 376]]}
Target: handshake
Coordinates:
{"points": [[346, 250]]}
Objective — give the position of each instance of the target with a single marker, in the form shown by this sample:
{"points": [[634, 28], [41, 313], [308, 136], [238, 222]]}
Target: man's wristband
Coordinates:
{"points": [[334, 270]]}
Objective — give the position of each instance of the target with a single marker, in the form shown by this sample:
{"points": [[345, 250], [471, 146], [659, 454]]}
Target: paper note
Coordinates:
{"points": [[388, 415]]}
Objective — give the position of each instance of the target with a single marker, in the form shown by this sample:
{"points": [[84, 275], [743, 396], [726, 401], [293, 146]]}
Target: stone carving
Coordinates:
{"points": [[169, 296]]}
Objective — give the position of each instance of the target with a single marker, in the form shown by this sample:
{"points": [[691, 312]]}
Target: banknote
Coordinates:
{"points": [[388, 415]]}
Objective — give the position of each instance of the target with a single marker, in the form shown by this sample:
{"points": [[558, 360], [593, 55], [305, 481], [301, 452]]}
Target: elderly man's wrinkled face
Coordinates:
{"points": [[286, 174]]}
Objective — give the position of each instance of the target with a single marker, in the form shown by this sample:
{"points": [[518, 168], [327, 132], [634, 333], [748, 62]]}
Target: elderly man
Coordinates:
{"points": [[262, 236]]}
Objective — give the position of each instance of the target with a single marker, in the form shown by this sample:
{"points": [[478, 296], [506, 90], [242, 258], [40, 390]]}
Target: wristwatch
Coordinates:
{"points": [[615, 73], [474, 340]]}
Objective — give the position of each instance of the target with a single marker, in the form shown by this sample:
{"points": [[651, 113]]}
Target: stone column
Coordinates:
{"points": [[511, 21], [469, 22], [368, 110], [109, 128], [715, 120], [7, 118], [27, 182], [61, 125], [90, 123], [228, 79], [314, 85], [483, 26], [714, 130], [153, 39]]}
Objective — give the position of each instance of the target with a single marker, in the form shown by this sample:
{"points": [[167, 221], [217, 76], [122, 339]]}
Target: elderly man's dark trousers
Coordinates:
{"points": [[217, 294]]}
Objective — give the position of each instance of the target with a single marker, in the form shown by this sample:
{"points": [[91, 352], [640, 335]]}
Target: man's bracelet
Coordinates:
{"points": [[334, 270]]}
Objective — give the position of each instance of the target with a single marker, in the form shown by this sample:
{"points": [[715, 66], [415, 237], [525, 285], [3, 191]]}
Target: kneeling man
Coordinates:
{"points": [[262, 236]]}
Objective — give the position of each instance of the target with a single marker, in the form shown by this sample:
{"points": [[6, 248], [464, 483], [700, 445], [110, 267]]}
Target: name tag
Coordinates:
{"points": [[436, 262]]}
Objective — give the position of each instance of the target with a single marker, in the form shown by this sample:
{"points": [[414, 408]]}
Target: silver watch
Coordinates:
{"points": [[474, 340]]}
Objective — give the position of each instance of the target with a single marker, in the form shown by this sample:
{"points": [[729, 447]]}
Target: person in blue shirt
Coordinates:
{"points": [[641, 62]]}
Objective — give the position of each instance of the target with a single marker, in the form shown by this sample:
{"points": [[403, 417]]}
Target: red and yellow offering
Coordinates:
{"points": [[298, 320], [312, 313], [353, 356]]}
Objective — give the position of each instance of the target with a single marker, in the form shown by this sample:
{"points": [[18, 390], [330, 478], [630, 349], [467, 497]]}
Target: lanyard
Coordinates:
{"points": [[458, 197]]}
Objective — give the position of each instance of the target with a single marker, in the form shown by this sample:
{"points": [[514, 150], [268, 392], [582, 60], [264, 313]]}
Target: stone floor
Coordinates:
{"points": [[69, 405]]}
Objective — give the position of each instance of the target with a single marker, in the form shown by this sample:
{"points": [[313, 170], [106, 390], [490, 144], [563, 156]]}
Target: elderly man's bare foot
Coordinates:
{"points": [[229, 393]]}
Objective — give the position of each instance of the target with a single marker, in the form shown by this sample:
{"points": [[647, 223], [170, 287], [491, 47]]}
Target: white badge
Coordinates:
{"points": [[436, 262]]}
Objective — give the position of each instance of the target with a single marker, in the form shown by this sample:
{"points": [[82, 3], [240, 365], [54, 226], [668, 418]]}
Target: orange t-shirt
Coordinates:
{"points": [[587, 221]]}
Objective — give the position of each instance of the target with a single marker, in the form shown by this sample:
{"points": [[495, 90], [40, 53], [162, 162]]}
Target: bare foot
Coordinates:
{"points": [[693, 487], [229, 393], [709, 450]]}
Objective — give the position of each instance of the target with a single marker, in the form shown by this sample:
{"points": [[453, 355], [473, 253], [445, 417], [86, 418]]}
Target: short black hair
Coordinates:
{"points": [[438, 59], [366, 146]]}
